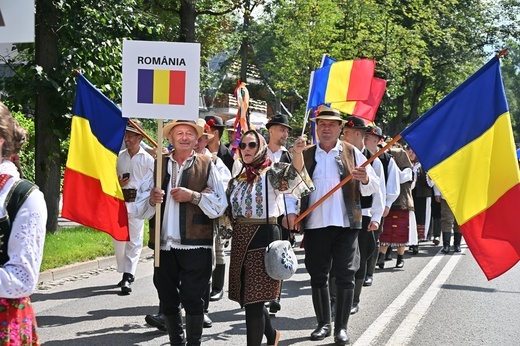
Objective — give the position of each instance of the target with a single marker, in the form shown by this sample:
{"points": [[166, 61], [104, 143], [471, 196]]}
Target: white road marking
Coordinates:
{"points": [[378, 326], [404, 333]]}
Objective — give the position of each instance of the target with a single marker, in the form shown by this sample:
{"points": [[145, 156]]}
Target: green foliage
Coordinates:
{"points": [[27, 153], [77, 244], [423, 51], [511, 76]]}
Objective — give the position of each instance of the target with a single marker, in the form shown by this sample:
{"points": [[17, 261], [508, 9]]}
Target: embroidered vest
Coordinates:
{"points": [[351, 195], [14, 200], [195, 227]]}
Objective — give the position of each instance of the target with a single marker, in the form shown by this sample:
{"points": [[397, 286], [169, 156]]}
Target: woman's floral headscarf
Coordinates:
{"points": [[260, 161]]}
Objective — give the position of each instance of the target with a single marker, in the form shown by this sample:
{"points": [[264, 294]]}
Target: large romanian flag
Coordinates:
{"points": [[466, 144], [92, 195]]}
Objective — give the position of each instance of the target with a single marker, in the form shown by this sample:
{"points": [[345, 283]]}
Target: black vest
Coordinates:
{"points": [[16, 197]]}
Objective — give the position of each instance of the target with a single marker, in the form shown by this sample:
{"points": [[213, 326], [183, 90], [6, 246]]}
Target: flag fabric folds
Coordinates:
{"points": [[92, 195], [341, 81], [348, 86], [466, 144], [365, 109]]}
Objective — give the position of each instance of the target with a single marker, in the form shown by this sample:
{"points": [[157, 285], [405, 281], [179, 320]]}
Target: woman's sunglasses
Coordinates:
{"points": [[251, 145]]}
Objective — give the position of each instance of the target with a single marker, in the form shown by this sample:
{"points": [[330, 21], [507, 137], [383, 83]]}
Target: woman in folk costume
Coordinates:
{"points": [[256, 200], [400, 228], [422, 194], [23, 216]]}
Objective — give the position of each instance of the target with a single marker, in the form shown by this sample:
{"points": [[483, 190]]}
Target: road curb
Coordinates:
{"points": [[82, 267]]}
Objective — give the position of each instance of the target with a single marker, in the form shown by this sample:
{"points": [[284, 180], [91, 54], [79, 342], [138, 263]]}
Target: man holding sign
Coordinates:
{"points": [[191, 195]]}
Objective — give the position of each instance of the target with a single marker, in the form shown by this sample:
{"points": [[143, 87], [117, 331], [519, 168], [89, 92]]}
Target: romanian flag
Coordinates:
{"points": [[92, 195], [161, 87], [341, 81], [466, 144], [365, 109]]}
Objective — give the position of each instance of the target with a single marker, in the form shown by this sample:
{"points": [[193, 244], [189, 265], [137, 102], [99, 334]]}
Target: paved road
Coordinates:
{"points": [[434, 300]]}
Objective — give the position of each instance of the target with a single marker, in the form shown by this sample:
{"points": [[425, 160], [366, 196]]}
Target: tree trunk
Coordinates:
{"points": [[245, 42], [47, 143], [188, 15]]}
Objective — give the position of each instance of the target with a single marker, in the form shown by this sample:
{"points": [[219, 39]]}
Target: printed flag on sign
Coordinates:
{"points": [[92, 195], [466, 145], [161, 87]]}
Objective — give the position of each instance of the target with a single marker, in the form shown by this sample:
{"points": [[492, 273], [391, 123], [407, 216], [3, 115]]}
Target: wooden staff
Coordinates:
{"points": [[157, 245], [346, 180]]}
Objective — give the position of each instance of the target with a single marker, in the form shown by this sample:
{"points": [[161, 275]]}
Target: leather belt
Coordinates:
{"points": [[129, 194]]}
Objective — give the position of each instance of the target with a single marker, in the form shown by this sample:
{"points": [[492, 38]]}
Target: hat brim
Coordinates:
{"points": [[268, 125], [356, 127], [133, 129], [168, 127], [328, 117]]}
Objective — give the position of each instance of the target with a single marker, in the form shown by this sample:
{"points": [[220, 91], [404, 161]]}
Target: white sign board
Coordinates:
{"points": [[161, 80], [16, 21]]}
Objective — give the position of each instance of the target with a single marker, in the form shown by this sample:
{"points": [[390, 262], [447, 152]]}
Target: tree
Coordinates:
{"points": [[511, 76], [422, 50], [74, 34]]}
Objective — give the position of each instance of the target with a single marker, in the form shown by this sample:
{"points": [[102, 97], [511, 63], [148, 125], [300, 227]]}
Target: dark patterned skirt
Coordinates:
{"points": [[248, 280], [17, 322], [396, 229]]}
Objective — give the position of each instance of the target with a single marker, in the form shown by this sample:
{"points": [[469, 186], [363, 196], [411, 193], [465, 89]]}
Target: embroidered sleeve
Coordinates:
{"points": [[286, 179], [19, 275]]}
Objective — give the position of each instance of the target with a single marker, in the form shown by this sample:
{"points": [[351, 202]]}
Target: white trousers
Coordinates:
{"points": [[128, 252]]}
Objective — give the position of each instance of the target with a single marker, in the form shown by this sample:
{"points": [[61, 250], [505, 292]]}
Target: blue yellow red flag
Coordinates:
{"points": [[466, 145], [92, 195]]}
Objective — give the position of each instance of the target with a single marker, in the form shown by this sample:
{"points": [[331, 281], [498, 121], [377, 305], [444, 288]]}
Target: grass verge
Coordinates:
{"points": [[77, 244]]}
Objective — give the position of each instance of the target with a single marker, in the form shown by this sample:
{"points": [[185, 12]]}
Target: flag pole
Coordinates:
{"points": [[157, 240], [346, 180], [502, 52], [305, 120]]}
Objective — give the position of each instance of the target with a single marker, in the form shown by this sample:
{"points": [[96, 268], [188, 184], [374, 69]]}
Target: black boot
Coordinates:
{"points": [[126, 283], [357, 294], [400, 261], [217, 280], [207, 321], [321, 301], [388, 254], [158, 321], [175, 331], [436, 230], [332, 295], [381, 260], [446, 237], [343, 307], [194, 329], [457, 237], [275, 306]]}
